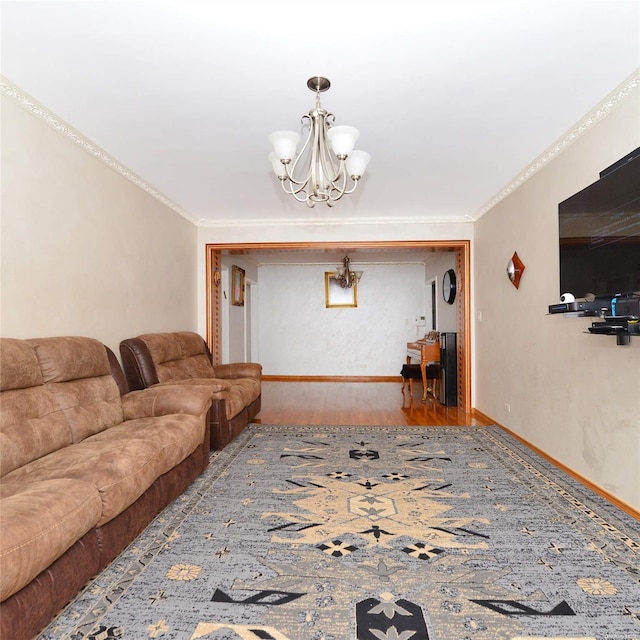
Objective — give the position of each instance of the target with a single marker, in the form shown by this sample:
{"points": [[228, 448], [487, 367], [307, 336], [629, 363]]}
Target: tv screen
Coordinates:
{"points": [[600, 234]]}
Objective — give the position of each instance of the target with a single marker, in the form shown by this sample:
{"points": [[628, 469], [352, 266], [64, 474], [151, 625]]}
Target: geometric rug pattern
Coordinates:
{"points": [[372, 533]]}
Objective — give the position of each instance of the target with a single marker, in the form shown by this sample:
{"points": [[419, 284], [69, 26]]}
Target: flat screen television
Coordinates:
{"points": [[600, 234]]}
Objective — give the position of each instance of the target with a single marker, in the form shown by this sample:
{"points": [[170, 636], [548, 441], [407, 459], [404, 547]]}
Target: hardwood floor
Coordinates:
{"points": [[357, 403]]}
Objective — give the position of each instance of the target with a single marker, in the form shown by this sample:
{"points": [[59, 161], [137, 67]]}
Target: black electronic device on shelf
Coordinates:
{"points": [[623, 327], [596, 307]]}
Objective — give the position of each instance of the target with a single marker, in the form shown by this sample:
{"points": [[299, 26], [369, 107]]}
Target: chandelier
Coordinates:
{"points": [[327, 166], [344, 276]]}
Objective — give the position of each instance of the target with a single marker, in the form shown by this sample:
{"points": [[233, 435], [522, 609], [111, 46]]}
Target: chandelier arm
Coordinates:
{"points": [[331, 171], [346, 191], [342, 188], [291, 172], [294, 192], [315, 168]]}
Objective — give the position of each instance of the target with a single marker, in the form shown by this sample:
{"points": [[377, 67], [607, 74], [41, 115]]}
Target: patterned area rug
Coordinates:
{"points": [[372, 533]]}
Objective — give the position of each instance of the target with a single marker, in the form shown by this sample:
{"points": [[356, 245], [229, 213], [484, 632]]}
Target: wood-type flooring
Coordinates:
{"points": [[356, 403]]}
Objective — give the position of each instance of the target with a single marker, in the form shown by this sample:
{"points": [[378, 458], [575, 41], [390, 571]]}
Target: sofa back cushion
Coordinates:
{"points": [[55, 391], [30, 427], [19, 368], [178, 356], [77, 371]]}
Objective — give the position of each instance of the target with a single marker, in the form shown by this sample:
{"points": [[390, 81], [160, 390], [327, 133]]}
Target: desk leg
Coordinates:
{"points": [[423, 371], [410, 381]]}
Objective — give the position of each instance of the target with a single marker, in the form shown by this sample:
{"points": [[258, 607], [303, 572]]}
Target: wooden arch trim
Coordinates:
{"points": [[463, 269]]}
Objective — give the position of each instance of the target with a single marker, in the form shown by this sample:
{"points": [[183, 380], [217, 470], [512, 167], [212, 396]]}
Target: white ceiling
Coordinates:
{"points": [[454, 100]]}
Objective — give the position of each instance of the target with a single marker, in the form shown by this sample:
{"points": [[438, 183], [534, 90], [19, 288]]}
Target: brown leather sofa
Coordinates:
{"points": [[84, 467], [184, 358]]}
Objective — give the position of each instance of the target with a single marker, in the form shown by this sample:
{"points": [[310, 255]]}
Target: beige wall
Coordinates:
{"points": [[574, 395], [84, 250]]}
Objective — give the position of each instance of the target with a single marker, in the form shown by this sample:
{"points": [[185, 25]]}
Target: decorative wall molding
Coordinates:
{"points": [[323, 222], [36, 109], [630, 85]]}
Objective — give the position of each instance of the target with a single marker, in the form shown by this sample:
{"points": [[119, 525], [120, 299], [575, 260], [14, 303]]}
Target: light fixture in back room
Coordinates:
{"points": [[344, 276]]}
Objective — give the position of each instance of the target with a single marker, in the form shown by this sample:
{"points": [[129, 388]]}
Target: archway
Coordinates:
{"points": [[463, 269]]}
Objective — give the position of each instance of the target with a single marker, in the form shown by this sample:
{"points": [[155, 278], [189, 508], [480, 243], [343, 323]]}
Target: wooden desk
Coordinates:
{"points": [[424, 352]]}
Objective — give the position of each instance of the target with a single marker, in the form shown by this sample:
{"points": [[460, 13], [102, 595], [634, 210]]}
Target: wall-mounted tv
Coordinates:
{"points": [[600, 234]]}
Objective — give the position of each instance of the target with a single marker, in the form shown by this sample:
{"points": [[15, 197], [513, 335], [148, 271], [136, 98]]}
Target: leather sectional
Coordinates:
{"points": [[167, 359], [84, 467]]}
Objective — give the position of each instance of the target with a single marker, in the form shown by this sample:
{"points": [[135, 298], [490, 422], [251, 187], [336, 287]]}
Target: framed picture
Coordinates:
{"points": [[336, 296], [237, 286]]}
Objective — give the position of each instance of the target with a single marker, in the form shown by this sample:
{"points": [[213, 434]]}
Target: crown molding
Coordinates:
{"points": [[323, 222], [25, 101], [623, 91]]}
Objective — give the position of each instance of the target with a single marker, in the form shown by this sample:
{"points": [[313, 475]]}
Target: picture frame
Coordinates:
{"points": [[237, 286], [335, 296]]}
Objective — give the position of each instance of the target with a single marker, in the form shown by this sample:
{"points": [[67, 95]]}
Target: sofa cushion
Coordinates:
{"points": [[66, 509], [237, 393], [241, 392], [162, 400], [233, 370], [121, 470], [70, 358], [75, 396], [178, 435], [77, 373], [89, 405], [30, 427], [20, 368], [28, 430], [178, 355]]}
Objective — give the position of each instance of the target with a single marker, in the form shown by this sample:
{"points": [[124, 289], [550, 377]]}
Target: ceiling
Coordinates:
{"points": [[454, 99]]}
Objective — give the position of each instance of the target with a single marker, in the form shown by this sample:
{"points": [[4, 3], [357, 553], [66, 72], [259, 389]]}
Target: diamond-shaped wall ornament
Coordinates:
{"points": [[515, 269]]}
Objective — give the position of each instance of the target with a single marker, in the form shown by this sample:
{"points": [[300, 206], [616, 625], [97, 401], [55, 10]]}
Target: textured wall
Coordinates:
{"points": [[299, 336], [85, 251], [574, 395]]}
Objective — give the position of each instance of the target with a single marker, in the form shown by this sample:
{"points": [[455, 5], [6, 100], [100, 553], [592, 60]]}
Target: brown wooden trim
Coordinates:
{"points": [[269, 378], [563, 467], [213, 266], [244, 247], [463, 326]]}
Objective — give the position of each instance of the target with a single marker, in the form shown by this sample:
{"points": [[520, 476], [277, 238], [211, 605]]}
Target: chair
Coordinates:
{"points": [[428, 369], [183, 358]]}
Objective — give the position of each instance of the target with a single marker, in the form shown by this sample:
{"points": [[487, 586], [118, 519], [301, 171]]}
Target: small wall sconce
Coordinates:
{"points": [[515, 269]]}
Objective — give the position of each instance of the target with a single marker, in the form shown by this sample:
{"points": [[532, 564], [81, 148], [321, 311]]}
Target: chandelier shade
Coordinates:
{"points": [[343, 139], [327, 166], [284, 144]]}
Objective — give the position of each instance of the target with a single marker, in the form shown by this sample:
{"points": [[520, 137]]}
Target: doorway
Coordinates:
{"points": [[431, 312], [250, 321], [462, 250]]}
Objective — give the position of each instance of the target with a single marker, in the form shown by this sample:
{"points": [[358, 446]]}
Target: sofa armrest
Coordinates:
{"points": [[237, 370], [166, 399], [139, 369]]}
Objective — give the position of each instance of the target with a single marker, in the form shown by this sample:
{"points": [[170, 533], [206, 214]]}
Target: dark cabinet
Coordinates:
{"points": [[448, 369]]}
